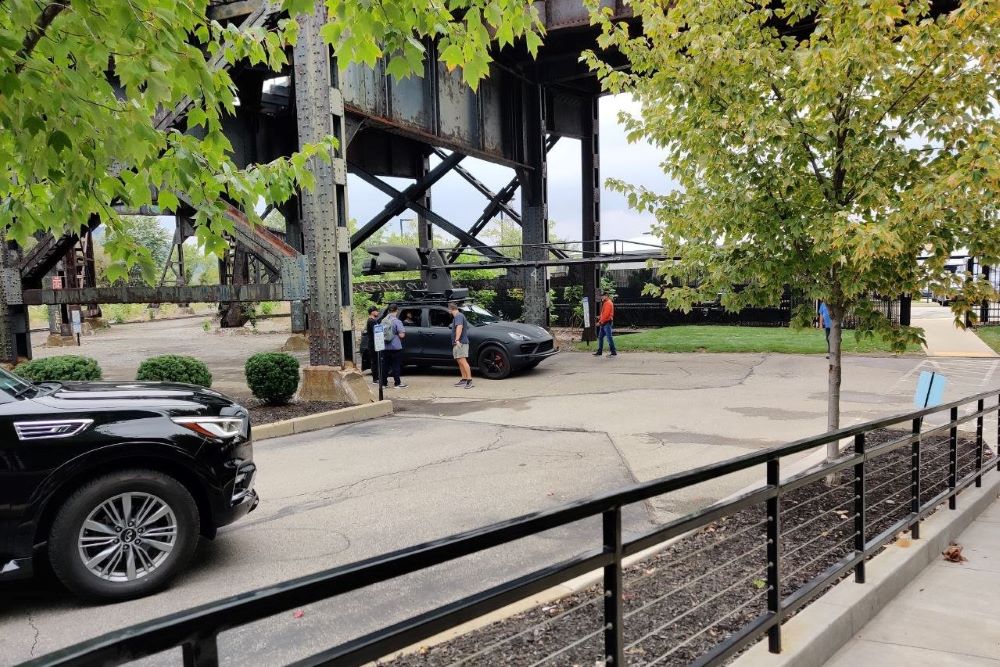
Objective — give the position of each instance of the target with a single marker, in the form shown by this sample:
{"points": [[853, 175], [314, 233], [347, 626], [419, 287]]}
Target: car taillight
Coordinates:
{"points": [[216, 428]]}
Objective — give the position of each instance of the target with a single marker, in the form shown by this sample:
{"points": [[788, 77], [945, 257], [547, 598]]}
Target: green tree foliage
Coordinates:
{"points": [[148, 233], [82, 82], [174, 368], [62, 368], [824, 145], [273, 377]]}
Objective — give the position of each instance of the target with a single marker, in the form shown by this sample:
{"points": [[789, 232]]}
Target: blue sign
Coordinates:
{"points": [[378, 334], [930, 389]]}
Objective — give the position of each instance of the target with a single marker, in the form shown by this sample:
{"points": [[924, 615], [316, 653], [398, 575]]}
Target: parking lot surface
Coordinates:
{"points": [[453, 459]]}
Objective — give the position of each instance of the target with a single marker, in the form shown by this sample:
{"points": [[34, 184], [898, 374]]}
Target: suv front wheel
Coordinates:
{"points": [[124, 535], [494, 363]]}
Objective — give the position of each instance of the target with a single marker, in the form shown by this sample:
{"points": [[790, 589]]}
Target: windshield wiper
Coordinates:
{"points": [[18, 393]]}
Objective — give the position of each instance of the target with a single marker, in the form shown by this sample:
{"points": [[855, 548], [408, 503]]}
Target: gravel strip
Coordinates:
{"points": [[684, 601]]}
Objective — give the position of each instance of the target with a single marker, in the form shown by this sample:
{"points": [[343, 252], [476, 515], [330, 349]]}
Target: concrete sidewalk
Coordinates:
{"points": [[944, 339], [946, 616]]}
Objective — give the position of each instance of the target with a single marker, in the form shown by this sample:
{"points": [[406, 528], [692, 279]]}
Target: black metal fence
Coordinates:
{"points": [[889, 480]]}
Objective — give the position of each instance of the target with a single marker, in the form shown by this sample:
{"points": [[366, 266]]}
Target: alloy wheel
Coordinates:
{"points": [[127, 537]]}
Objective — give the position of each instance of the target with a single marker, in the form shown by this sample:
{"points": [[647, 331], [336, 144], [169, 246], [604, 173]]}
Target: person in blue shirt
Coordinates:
{"points": [[460, 344], [824, 316], [396, 332]]}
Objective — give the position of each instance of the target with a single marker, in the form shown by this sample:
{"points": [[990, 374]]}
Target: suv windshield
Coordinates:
{"points": [[12, 385], [477, 315]]}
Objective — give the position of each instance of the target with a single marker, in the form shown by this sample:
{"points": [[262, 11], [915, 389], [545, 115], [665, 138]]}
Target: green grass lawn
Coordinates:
{"points": [[710, 338], [990, 336]]}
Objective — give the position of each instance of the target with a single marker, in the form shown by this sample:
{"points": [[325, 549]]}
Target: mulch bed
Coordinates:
{"points": [[261, 413], [706, 586]]}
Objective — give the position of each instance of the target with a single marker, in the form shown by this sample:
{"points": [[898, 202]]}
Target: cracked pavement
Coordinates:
{"points": [[454, 459]]}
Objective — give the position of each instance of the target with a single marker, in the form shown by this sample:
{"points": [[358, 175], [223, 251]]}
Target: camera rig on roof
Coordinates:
{"points": [[436, 277]]}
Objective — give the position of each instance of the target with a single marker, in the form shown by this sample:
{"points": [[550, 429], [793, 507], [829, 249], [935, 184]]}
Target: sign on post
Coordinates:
{"points": [[56, 282], [930, 389], [586, 312], [378, 333]]}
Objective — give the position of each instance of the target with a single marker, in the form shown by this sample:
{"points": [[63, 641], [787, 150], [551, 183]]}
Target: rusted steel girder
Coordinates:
{"points": [[143, 294], [319, 114]]}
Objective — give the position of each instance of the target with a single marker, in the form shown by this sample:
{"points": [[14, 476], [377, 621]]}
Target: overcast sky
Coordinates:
{"points": [[457, 201]]}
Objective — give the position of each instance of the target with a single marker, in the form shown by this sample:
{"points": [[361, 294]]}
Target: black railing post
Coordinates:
{"points": [[201, 652], [614, 642], [774, 555], [953, 460], [915, 480], [979, 442], [859, 506]]}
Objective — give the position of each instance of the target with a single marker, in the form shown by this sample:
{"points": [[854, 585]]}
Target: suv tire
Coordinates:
{"points": [[124, 535]]}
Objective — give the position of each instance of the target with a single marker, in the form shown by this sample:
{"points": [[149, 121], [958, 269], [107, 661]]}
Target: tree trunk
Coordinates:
{"points": [[833, 382]]}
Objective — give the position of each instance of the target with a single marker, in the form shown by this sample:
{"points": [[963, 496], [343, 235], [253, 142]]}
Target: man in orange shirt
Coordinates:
{"points": [[604, 327]]}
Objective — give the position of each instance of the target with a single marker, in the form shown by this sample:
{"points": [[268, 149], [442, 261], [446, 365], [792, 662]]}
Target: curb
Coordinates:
{"points": [[355, 413], [817, 632]]}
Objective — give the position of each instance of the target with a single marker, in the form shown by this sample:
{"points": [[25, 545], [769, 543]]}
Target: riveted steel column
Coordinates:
{"points": [[320, 114], [590, 188], [534, 207], [15, 339], [425, 233]]}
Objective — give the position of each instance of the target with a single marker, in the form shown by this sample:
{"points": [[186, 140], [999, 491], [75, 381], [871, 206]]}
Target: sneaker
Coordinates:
{"points": [[598, 354], [468, 384], [401, 385], [461, 383]]}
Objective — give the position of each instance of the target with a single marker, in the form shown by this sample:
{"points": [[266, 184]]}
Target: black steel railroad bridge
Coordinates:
{"points": [[386, 128]]}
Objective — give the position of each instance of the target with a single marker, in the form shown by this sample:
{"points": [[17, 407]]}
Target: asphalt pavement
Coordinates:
{"points": [[453, 459]]}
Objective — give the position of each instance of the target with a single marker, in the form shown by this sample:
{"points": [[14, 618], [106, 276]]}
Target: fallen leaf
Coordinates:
{"points": [[953, 554], [298, 614]]}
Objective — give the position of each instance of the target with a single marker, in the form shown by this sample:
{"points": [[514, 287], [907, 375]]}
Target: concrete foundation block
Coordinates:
{"points": [[296, 343], [327, 383], [58, 340]]}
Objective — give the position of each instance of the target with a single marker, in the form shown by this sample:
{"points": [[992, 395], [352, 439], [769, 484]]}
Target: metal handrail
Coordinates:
{"points": [[196, 629]]}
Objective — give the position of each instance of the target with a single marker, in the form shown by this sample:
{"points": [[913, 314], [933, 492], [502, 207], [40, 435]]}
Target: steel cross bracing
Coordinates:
{"points": [[401, 201], [498, 202], [431, 216]]}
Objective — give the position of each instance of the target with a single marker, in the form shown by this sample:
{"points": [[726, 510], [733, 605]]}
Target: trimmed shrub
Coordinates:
{"points": [[273, 377], [63, 368], [175, 368]]}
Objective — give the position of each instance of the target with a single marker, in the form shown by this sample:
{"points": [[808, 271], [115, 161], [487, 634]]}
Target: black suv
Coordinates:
{"points": [[496, 348], [116, 481]]}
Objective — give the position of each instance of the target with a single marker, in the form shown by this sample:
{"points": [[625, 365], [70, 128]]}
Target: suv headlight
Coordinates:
{"points": [[520, 337], [217, 428]]}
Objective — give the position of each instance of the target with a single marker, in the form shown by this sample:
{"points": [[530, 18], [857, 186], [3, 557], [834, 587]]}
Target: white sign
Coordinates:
{"points": [[378, 334], [586, 312], [75, 314]]}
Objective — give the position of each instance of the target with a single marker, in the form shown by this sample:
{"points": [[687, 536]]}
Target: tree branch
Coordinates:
{"points": [[42, 23], [795, 121]]}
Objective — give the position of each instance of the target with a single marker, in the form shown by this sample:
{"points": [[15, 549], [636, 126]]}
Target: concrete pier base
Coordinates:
{"points": [[327, 383]]}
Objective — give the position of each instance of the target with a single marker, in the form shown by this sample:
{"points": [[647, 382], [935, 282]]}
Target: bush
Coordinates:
{"points": [[63, 368], [273, 377], [175, 368]]}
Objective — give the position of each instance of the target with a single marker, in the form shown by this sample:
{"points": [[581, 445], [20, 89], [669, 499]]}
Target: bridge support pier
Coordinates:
{"points": [[15, 339], [534, 207], [326, 240], [590, 188]]}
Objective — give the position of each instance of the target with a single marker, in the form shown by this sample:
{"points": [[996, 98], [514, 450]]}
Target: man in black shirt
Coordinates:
{"points": [[370, 349]]}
